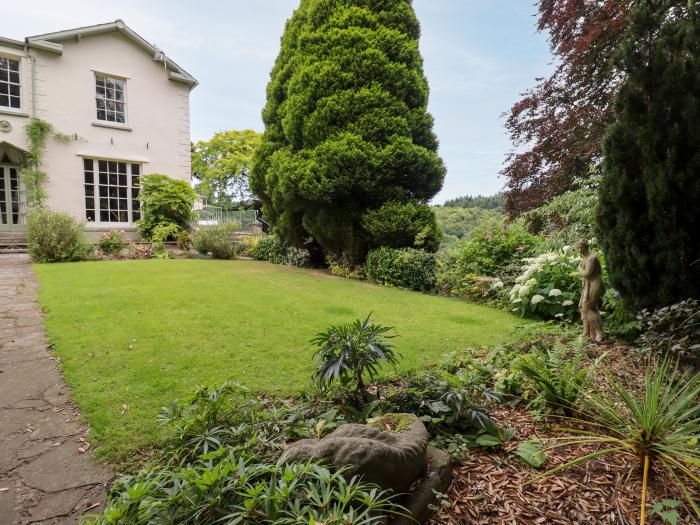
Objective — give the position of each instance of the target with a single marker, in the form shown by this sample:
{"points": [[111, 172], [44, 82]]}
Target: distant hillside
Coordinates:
{"points": [[462, 223], [485, 202]]}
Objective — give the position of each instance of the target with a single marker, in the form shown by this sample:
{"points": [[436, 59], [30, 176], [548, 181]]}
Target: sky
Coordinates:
{"points": [[479, 55]]}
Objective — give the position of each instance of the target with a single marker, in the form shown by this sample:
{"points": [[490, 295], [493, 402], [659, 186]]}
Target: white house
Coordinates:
{"points": [[121, 108]]}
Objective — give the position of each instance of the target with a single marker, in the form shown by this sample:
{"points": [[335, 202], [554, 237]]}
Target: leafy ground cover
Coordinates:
{"points": [[133, 335]]}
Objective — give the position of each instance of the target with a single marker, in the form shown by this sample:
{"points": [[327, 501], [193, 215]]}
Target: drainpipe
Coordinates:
{"points": [[33, 62]]}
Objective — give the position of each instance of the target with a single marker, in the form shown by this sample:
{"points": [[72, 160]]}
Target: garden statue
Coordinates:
{"points": [[592, 290]]}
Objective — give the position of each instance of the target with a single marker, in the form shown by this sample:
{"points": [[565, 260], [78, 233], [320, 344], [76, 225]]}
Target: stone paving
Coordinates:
{"points": [[46, 474]]}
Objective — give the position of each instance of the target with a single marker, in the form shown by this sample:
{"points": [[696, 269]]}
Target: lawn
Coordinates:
{"points": [[133, 335]]}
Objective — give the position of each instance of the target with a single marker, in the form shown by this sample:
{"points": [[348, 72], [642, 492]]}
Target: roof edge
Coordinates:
{"points": [[11, 42], [120, 26]]}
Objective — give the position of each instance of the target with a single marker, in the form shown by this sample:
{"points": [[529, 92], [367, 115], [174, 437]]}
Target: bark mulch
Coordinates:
{"points": [[496, 488]]}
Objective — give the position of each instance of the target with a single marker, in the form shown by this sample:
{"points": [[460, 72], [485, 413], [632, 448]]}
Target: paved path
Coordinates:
{"points": [[46, 475]]}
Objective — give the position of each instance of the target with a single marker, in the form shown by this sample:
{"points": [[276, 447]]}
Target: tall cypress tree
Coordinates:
{"points": [[649, 217], [346, 125]]}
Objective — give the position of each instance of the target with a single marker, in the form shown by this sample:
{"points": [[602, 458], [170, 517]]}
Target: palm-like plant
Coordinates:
{"points": [[659, 425], [347, 352]]}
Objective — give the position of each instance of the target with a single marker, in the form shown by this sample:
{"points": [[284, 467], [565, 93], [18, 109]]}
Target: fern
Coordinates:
{"points": [[558, 376]]}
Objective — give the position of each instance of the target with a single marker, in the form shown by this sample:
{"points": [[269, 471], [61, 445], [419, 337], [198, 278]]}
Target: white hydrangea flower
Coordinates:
{"points": [[559, 315], [518, 300], [524, 290], [567, 303], [498, 284], [537, 299], [555, 292], [531, 282], [520, 279]]}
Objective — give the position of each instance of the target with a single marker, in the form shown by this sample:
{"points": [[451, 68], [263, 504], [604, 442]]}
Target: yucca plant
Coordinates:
{"points": [[659, 424], [559, 376], [347, 352]]}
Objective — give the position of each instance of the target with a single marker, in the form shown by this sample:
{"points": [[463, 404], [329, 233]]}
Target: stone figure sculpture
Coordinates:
{"points": [[591, 292]]}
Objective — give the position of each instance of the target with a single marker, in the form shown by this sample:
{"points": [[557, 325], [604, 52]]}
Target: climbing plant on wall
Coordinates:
{"points": [[32, 176]]}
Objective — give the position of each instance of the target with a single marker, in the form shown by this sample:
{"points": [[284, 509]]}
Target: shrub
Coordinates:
{"points": [[221, 462], [165, 201], [184, 241], [497, 252], [161, 233], [226, 488], [298, 257], [403, 225], [344, 270], [56, 237], [346, 352], [549, 286], [618, 320], [406, 268], [138, 251], [269, 248], [220, 240], [111, 243], [673, 330]]}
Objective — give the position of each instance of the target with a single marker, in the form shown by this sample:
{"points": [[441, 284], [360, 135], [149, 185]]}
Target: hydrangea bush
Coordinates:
{"points": [[549, 286]]}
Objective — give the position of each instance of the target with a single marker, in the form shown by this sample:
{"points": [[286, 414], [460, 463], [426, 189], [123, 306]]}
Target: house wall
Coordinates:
{"points": [[17, 119], [156, 133]]}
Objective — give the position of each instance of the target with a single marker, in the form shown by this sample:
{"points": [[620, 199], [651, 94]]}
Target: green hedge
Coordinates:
{"points": [[407, 268]]}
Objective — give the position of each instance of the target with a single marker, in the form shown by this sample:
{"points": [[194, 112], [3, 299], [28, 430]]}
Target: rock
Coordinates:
{"points": [[392, 459], [437, 479]]}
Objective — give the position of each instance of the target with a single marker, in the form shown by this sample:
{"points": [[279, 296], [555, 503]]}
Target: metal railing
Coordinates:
{"points": [[210, 215]]}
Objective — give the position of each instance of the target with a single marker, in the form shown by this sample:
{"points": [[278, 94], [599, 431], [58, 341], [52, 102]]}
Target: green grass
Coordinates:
{"points": [[133, 335]]}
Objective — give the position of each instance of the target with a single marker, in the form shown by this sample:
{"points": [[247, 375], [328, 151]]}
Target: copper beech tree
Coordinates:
{"points": [[558, 127]]}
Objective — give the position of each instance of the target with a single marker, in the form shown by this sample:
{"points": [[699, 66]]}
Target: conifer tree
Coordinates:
{"points": [[346, 125], [649, 215]]}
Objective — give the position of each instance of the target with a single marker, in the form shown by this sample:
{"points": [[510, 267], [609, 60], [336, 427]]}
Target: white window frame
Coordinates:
{"points": [[8, 83], [132, 190], [106, 100]]}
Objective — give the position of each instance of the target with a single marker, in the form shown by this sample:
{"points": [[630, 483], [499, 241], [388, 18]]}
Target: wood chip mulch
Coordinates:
{"points": [[496, 488]]}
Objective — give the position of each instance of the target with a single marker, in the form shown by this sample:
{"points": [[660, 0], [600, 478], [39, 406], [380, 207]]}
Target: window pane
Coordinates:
{"points": [[4, 100], [89, 190], [104, 204], [14, 77], [104, 216], [14, 90], [119, 118], [135, 169], [90, 215], [100, 114], [14, 102], [89, 203], [88, 164], [100, 81], [14, 64], [113, 189], [4, 89], [103, 165]]}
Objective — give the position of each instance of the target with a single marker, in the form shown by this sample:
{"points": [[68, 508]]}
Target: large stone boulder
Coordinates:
{"points": [[389, 451]]}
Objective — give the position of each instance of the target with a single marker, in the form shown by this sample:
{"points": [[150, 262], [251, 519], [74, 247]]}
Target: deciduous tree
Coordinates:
{"points": [[220, 166], [558, 127]]}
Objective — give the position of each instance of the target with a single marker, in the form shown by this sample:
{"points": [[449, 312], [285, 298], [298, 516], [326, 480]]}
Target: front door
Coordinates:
{"points": [[13, 203]]}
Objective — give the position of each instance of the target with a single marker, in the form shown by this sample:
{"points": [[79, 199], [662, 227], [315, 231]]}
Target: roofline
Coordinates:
{"points": [[12, 43], [46, 40]]}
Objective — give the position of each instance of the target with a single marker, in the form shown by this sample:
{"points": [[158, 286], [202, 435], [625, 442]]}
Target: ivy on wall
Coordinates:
{"points": [[32, 176]]}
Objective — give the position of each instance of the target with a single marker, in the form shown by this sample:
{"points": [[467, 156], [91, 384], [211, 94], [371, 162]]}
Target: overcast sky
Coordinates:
{"points": [[479, 56]]}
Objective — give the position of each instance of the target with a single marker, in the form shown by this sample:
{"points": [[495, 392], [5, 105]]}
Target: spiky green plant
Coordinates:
{"points": [[347, 352], [659, 424]]}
